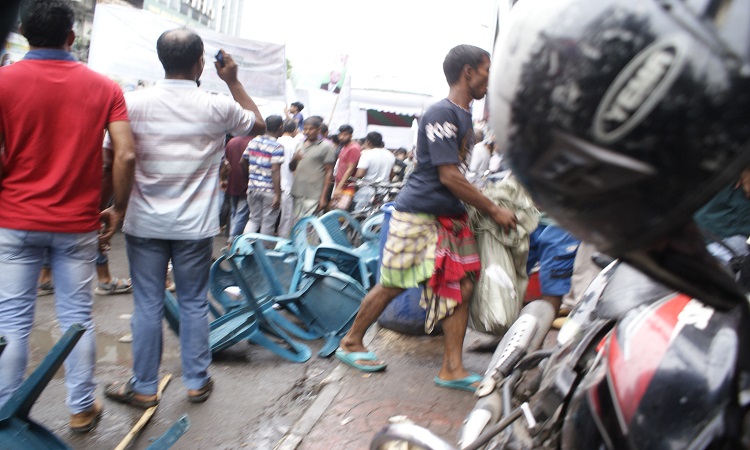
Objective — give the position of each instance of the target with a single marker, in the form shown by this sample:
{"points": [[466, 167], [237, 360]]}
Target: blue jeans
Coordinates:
{"points": [[238, 216], [191, 261], [71, 258]]}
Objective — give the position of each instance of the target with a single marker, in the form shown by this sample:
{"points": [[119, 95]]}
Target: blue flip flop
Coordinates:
{"points": [[464, 384], [351, 358]]}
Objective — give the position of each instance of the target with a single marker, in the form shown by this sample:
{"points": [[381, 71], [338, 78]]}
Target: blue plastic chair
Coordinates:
{"points": [[172, 435], [248, 322], [326, 301], [347, 259], [257, 276], [17, 430], [339, 224]]}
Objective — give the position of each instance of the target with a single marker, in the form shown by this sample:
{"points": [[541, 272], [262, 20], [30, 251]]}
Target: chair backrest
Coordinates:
{"points": [[338, 223], [223, 287], [254, 266]]}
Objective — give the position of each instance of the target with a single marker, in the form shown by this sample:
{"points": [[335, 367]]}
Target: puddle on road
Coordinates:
{"points": [[108, 349]]}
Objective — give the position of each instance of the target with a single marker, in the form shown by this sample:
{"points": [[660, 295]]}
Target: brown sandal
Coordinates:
{"points": [[202, 394], [124, 393]]}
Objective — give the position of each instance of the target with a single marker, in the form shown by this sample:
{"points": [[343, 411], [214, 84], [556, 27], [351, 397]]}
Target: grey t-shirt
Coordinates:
{"points": [[310, 173]]}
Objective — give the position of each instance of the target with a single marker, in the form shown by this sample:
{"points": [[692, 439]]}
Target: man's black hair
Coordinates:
{"points": [[346, 129], [289, 126], [375, 138], [400, 150], [47, 23], [179, 50], [323, 129], [274, 123], [460, 56], [314, 121], [299, 106]]}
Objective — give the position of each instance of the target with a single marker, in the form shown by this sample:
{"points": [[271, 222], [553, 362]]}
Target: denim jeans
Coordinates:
{"points": [[71, 258], [238, 215], [191, 261]]}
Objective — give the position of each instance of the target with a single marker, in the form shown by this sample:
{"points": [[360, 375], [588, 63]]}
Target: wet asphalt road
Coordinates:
{"points": [[257, 398]]}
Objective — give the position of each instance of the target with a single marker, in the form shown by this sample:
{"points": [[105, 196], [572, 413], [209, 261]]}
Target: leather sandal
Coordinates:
{"points": [[202, 394], [124, 393]]}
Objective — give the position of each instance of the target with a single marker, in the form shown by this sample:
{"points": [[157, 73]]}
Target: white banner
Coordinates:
{"points": [[123, 46]]}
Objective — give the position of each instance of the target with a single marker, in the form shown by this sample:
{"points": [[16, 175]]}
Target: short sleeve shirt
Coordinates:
{"points": [[378, 164], [179, 132], [445, 132], [310, 173], [236, 146], [349, 155], [261, 154], [53, 113]]}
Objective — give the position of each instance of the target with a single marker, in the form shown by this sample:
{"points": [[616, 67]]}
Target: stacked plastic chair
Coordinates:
{"points": [[270, 291]]}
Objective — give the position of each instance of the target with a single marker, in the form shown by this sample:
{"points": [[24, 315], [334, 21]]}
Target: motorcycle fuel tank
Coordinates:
{"points": [[663, 380]]}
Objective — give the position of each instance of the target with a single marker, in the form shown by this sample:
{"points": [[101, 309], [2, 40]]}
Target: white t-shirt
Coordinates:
{"points": [[287, 177], [480, 159], [378, 162], [179, 134]]}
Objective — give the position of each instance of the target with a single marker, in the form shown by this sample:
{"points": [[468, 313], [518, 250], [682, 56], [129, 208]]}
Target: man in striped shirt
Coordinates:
{"points": [[263, 158], [173, 211]]}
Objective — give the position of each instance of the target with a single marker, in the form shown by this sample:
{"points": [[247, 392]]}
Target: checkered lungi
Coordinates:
{"points": [[440, 251]]}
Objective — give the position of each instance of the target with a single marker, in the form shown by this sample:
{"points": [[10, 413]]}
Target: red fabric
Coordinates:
{"points": [[53, 115], [238, 175], [455, 258], [349, 155]]}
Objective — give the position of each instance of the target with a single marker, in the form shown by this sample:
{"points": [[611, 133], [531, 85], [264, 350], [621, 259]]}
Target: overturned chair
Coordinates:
{"points": [[18, 431], [343, 232], [252, 285]]}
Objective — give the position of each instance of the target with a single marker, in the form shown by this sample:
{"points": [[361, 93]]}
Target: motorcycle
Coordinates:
{"points": [[636, 365]]}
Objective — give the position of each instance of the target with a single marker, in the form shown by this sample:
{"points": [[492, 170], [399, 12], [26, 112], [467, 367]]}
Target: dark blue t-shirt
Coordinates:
{"points": [[444, 130]]}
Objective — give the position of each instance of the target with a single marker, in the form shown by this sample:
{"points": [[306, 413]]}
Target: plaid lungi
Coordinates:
{"points": [[422, 247]]}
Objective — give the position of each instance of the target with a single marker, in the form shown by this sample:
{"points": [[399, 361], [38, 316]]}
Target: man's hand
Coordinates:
{"points": [[228, 73], [110, 219], [504, 217], [322, 204], [276, 201]]}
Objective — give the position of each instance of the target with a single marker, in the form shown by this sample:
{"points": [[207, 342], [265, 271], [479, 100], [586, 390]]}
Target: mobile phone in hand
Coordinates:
{"points": [[220, 58]]}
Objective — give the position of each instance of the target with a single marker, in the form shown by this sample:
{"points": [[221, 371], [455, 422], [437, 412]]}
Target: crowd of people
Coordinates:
{"points": [[297, 169], [164, 160]]}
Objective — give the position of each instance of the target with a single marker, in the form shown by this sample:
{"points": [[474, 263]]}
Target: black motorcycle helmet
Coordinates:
{"points": [[623, 117]]}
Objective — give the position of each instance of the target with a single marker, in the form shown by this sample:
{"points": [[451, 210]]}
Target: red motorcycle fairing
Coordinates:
{"points": [[664, 380]]}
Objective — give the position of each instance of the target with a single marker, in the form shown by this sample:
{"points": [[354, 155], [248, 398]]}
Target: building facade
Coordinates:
{"points": [[224, 16]]}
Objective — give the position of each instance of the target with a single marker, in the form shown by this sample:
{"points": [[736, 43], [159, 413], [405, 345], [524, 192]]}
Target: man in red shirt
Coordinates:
{"points": [[346, 165], [53, 113]]}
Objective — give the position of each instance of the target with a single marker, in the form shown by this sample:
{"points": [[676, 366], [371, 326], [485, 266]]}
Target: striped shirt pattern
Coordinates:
{"points": [[179, 133], [261, 153]]}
